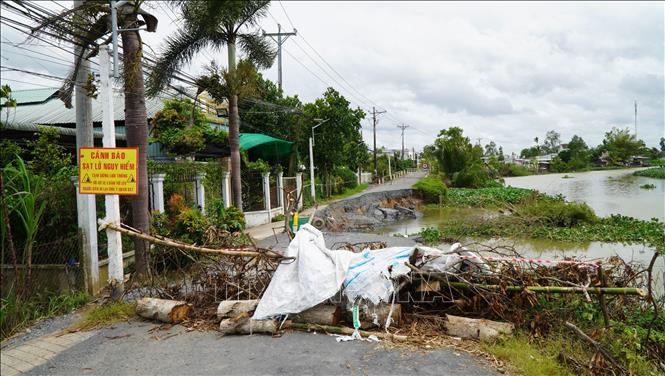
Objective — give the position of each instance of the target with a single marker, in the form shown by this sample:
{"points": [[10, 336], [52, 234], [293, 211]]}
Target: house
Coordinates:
{"points": [[42, 107]]}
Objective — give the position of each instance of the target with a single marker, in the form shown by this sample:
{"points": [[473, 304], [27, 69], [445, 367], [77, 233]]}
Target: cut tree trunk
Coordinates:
{"points": [[235, 308], [465, 327], [322, 314], [169, 311], [136, 129], [243, 324]]}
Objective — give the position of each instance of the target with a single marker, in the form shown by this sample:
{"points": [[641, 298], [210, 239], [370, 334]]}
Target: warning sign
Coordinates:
{"points": [[108, 171]]}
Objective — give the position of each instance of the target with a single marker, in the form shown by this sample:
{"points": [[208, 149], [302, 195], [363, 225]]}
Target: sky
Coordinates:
{"points": [[503, 72]]}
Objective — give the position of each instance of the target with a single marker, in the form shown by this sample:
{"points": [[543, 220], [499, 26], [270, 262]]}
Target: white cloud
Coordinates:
{"points": [[503, 71]]}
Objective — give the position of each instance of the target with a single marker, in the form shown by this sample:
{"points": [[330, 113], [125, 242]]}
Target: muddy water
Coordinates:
{"points": [[607, 192], [543, 248]]}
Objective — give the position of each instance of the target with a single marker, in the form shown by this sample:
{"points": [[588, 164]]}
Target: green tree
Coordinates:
{"points": [[88, 23], [216, 24], [552, 142], [490, 149], [459, 160], [531, 152], [621, 145], [576, 155], [337, 142]]}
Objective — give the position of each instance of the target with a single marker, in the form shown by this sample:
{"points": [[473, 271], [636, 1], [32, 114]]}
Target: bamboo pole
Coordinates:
{"points": [[536, 289], [246, 251], [555, 289], [345, 331]]}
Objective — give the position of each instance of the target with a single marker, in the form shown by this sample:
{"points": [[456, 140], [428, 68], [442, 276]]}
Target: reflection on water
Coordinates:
{"points": [[607, 192]]}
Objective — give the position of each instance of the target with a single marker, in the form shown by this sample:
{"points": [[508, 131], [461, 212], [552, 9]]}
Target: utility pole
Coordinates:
{"points": [[403, 127], [374, 113], [112, 202], [87, 210], [279, 42], [636, 120]]}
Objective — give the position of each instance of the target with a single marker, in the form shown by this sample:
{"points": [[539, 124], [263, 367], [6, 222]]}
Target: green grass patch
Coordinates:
{"points": [[18, 313], [655, 172], [105, 315], [347, 192], [525, 357]]}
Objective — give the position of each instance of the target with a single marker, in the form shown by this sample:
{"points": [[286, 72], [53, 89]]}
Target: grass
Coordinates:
{"points": [[655, 172], [19, 313], [347, 192], [105, 315], [525, 357]]}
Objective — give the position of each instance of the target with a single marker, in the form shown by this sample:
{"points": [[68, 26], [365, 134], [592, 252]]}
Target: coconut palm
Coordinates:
{"points": [[214, 23], [86, 24]]}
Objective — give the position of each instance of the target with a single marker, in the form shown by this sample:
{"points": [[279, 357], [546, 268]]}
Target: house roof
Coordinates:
{"points": [[41, 106]]}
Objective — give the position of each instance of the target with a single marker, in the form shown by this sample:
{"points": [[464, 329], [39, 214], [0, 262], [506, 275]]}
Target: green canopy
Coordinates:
{"points": [[265, 147]]}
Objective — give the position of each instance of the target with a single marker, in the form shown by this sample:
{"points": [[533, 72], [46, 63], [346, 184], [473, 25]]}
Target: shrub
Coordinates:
{"points": [[430, 235], [228, 219], [432, 188], [558, 213], [656, 173], [347, 179], [514, 170]]}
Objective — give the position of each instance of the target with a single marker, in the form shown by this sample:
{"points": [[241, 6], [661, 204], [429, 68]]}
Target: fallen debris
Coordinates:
{"points": [[243, 324], [345, 331], [465, 327], [235, 308], [323, 314], [168, 311]]}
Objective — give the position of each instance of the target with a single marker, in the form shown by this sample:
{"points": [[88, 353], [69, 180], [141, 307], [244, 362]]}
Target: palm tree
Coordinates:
{"points": [[214, 23], [88, 23]]}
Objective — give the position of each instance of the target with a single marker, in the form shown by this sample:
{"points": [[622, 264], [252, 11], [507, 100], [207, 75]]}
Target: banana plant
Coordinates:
{"points": [[24, 200]]}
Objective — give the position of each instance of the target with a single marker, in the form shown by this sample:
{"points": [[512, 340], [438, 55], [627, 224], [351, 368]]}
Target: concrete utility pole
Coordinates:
{"points": [[374, 113], [403, 127], [112, 202], [312, 188], [87, 211], [279, 42], [635, 119]]}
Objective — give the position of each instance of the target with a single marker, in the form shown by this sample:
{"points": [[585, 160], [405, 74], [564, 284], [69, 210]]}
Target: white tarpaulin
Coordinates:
{"points": [[371, 273], [316, 275]]}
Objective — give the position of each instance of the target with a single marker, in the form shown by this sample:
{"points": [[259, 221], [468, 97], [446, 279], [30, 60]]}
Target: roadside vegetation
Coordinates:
{"points": [[655, 172], [105, 315], [542, 343], [17, 314]]}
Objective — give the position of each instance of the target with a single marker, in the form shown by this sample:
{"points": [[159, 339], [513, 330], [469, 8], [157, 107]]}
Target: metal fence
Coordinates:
{"points": [[252, 191]]}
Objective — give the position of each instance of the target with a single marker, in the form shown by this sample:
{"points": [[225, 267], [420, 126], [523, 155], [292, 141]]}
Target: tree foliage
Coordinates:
{"points": [[621, 145], [459, 160]]}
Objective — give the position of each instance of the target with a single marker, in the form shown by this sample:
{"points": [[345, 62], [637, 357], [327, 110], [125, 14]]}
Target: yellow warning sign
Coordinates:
{"points": [[108, 171]]}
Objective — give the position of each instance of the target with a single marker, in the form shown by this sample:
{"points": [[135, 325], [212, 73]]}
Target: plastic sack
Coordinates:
{"points": [[371, 272], [314, 276]]}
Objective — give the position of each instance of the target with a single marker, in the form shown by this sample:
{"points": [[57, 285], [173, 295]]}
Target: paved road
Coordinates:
{"points": [[139, 348], [269, 230], [130, 349]]}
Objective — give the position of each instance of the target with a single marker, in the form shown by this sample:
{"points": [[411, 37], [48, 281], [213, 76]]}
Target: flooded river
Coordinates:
{"points": [[607, 192]]}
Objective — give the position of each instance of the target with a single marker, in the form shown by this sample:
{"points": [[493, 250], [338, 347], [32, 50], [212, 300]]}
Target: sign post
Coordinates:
{"points": [[109, 171]]}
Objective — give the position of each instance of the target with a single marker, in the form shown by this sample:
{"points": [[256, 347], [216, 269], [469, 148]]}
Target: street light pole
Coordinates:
{"points": [[312, 185]]}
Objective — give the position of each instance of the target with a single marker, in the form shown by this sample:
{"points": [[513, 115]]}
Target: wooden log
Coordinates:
{"points": [[243, 324], [169, 311], [234, 308], [465, 327], [321, 314], [345, 331], [246, 251]]}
